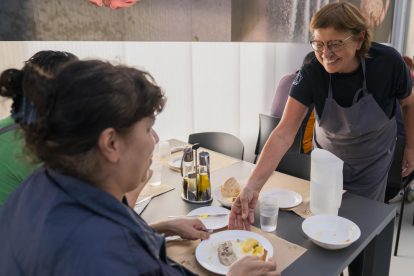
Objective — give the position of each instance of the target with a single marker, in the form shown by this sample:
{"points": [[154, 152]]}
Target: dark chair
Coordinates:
{"points": [[295, 164], [220, 142], [266, 125], [395, 180]]}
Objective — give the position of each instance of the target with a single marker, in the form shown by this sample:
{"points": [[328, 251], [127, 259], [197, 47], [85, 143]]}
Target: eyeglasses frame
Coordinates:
{"points": [[327, 43]]}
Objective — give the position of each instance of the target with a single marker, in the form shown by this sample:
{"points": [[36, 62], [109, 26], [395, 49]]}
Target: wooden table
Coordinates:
{"points": [[376, 221]]}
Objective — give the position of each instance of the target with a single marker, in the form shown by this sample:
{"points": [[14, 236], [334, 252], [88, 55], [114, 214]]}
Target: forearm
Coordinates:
{"points": [[278, 143], [163, 227], [407, 111], [273, 151], [408, 119]]}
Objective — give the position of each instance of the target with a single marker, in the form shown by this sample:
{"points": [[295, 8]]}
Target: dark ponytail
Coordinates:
{"points": [[32, 93]]}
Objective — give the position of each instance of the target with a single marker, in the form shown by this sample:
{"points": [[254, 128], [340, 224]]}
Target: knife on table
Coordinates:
{"points": [[200, 216]]}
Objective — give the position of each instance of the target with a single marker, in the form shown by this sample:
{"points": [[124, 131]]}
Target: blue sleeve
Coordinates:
{"points": [[108, 250]]}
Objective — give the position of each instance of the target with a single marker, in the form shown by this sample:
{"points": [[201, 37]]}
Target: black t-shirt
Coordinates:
{"points": [[387, 76]]}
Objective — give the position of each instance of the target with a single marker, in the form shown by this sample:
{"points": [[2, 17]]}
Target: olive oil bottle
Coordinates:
{"points": [[204, 185]]}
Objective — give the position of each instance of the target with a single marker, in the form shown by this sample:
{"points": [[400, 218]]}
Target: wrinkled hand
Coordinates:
{"points": [[408, 162], [114, 4], [242, 210], [253, 266], [188, 228]]}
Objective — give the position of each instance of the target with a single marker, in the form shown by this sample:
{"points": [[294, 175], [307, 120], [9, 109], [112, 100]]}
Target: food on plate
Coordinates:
{"points": [[226, 254], [230, 251], [230, 188], [229, 199], [249, 244], [260, 251]]}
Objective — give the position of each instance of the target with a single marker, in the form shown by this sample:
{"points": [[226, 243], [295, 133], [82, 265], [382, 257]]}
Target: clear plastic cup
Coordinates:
{"points": [[269, 212], [156, 166]]}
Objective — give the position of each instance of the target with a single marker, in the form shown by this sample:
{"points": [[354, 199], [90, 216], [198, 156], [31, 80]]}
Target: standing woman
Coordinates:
{"points": [[353, 84]]}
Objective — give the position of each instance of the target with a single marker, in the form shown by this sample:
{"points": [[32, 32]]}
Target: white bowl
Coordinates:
{"points": [[217, 195], [331, 232]]}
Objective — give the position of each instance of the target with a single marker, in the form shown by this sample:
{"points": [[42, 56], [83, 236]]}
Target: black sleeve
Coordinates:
{"points": [[301, 90], [404, 83]]}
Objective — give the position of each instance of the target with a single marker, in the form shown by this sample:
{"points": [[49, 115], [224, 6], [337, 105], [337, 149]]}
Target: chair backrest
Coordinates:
{"points": [[220, 142], [394, 175], [266, 125], [295, 164]]}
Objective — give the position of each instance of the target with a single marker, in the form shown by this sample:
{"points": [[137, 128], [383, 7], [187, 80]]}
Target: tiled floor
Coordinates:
{"points": [[403, 264]]}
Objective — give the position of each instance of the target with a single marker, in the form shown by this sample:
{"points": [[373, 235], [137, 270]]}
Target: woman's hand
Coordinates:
{"points": [[242, 210], [132, 196], [186, 228], [114, 4], [408, 162], [253, 266]]}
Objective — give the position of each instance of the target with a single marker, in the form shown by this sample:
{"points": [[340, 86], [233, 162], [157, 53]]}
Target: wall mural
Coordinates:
{"points": [[178, 20]]}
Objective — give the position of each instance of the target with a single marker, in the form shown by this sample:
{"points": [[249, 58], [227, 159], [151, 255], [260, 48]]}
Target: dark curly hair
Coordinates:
{"points": [[75, 106]]}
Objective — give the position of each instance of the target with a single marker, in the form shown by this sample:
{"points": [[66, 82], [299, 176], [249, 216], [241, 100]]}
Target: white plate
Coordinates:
{"points": [[287, 198], [175, 162], [331, 232], [206, 252], [212, 223], [217, 195]]}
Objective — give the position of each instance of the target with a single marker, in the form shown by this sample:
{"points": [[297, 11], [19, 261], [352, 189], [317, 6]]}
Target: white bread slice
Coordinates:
{"points": [[230, 188], [263, 257]]}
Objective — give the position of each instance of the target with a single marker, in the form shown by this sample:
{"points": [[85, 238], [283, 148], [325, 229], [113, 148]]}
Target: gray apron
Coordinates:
{"points": [[363, 137]]}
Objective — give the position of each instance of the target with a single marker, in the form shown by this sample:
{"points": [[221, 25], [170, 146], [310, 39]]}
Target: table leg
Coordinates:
{"points": [[378, 253]]}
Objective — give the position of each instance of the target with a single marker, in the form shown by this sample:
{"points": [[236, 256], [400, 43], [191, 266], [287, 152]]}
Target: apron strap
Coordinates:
{"points": [[330, 87], [364, 87]]}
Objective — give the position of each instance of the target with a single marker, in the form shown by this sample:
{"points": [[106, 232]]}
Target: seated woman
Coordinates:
{"points": [[91, 125], [15, 168]]}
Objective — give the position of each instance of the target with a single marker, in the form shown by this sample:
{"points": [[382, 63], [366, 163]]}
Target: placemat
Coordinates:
{"points": [[283, 181], [217, 160], [155, 190], [284, 252]]}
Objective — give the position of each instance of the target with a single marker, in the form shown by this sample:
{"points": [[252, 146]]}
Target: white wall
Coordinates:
{"points": [[410, 39], [210, 86]]}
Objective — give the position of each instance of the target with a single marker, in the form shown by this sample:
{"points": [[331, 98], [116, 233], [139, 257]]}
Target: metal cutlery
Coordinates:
{"points": [[200, 216], [144, 199]]}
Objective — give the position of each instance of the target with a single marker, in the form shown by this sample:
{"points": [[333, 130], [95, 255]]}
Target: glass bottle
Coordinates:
{"points": [[187, 166], [204, 185], [192, 186]]}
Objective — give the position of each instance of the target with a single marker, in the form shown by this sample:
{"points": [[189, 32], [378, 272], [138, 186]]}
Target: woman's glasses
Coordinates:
{"points": [[333, 45]]}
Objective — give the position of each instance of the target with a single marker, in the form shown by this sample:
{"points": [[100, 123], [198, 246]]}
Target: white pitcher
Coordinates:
{"points": [[326, 182]]}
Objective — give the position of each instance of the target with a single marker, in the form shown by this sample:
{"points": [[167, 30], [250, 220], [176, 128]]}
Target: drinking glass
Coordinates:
{"points": [[164, 150], [269, 212], [155, 179]]}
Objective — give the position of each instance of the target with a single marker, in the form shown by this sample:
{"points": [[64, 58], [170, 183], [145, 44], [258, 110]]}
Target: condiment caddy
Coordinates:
{"points": [[195, 171]]}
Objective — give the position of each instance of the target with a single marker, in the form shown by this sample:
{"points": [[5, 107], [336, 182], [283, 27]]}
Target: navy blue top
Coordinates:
{"points": [[54, 224]]}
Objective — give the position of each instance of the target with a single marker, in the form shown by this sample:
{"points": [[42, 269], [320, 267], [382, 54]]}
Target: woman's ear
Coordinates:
{"points": [[108, 144], [361, 38]]}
